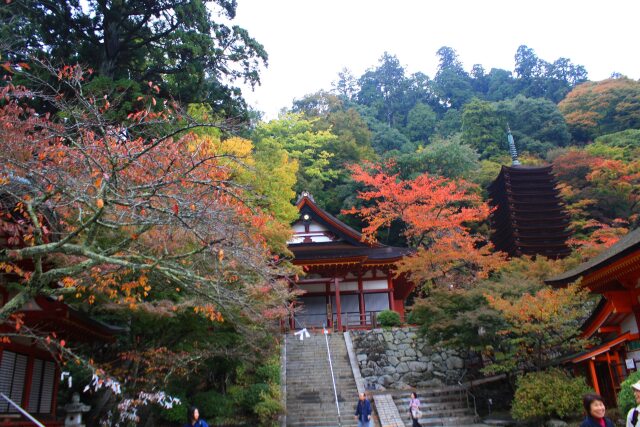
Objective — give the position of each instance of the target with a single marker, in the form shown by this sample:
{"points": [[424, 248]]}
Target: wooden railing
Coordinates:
{"points": [[350, 320]]}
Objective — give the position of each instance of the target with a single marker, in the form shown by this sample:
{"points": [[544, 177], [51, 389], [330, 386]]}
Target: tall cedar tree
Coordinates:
{"points": [[187, 47]]}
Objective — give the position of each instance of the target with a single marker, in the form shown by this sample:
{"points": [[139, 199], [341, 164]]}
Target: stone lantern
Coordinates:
{"points": [[74, 411]]}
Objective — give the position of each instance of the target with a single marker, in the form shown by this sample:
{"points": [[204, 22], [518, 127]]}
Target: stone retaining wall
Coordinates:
{"points": [[399, 358]]}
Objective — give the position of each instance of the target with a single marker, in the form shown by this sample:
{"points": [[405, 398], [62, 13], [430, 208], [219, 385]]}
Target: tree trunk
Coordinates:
{"points": [[112, 45]]}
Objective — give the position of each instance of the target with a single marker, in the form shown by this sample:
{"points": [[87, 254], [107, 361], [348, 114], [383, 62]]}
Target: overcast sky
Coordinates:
{"points": [[309, 42]]}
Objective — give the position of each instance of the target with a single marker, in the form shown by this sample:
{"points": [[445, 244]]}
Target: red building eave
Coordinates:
{"points": [[599, 317], [603, 348]]}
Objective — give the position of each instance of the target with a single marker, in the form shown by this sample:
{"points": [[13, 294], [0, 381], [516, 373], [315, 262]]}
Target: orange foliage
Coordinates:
{"points": [[540, 326], [132, 209], [529, 311], [597, 108], [437, 213]]}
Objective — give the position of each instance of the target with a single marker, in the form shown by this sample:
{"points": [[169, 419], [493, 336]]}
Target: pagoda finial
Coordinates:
{"points": [[512, 148]]}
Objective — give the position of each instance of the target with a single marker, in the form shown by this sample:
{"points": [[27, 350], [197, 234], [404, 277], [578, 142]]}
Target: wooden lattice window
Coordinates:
{"points": [[13, 376]]}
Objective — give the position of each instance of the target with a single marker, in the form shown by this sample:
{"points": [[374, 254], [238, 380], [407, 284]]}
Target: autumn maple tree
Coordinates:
{"points": [[437, 215], [539, 328], [141, 215], [592, 109]]}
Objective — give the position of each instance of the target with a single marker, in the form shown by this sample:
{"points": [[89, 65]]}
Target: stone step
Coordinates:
{"points": [[310, 395], [304, 373], [429, 405], [439, 408], [456, 421], [321, 422]]}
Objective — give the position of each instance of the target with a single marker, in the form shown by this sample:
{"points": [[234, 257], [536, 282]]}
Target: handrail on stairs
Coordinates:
{"points": [[470, 397], [22, 411], [333, 378]]}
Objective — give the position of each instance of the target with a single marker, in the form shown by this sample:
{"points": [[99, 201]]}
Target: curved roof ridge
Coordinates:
{"points": [[627, 243], [306, 199]]}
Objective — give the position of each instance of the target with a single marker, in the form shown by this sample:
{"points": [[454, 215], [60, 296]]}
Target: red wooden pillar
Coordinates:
{"points": [[329, 304], [636, 312], [391, 292], [613, 381], [336, 284], [616, 358], [594, 378], [363, 314]]}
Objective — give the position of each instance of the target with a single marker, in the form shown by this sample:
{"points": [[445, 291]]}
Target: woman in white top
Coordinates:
{"points": [[414, 410], [633, 417]]}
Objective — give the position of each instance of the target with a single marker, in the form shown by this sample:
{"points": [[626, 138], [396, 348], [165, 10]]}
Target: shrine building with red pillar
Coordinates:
{"points": [[615, 322], [347, 281]]}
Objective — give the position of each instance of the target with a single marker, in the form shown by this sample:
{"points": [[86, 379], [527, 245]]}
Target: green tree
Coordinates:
{"points": [[383, 88], [450, 123], [479, 79], [347, 85], [562, 75], [296, 135], [538, 78], [530, 71], [536, 123], [422, 90], [447, 157], [329, 112], [452, 82], [384, 138], [352, 145], [626, 397], [421, 123], [500, 85], [482, 128], [623, 145], [176, 44]]}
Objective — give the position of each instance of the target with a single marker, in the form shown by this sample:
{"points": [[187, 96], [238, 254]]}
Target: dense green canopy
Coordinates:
{"points": [[188, 47]]}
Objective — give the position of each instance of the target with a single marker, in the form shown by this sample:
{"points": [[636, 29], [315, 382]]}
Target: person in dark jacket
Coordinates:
{"points": [[363, 411], [193, 418], [594, 407]]}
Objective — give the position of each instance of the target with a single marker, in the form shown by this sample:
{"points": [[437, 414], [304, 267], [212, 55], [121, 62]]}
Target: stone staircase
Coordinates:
{"points": [[445, 406], [310, 398]]}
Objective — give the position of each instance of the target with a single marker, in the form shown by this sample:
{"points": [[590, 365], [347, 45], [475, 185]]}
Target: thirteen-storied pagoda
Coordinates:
{"points": [[528, 215]]}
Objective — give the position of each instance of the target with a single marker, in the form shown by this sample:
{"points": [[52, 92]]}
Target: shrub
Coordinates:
{"points": [[547, 394], [389, 318], [269, 406], [270, 371], [626, 399], [214, 405], [177, 413]]}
